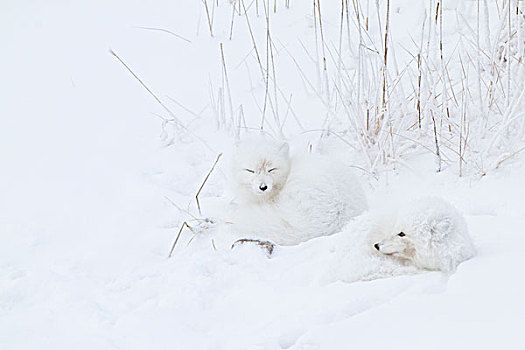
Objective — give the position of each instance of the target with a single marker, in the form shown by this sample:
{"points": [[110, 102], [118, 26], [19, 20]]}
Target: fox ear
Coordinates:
{"points": [[441, 228], [284, 148]]}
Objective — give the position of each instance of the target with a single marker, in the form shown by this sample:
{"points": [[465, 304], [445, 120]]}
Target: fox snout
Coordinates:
{"points": [[263, 187]]}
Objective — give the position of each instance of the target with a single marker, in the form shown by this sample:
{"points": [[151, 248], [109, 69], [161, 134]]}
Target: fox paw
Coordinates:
{"points": [[267, 246]]}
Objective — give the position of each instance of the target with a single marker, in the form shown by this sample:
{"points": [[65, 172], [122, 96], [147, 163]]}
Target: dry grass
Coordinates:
{"points": [[193, 217], [204, 182], [454, 89]]}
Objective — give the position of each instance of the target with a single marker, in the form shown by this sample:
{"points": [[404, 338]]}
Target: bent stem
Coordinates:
{"points": [[204, 182]]}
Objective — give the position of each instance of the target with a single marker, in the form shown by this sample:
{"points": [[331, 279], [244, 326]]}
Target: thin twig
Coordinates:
{"points": [[437, 144], [204, 182], [172, 115], [253, 38], [227, 84], [210, 21], [180, 209], [509, 157], [178, 236], [147, 88], [166, 31]]}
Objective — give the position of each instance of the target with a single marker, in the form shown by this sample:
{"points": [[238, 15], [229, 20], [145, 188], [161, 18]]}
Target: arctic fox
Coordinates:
{"points": [[289, 200], [430, 234], [423, 234]]}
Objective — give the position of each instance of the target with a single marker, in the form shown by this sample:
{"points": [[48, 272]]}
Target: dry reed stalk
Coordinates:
{"points": [[172, 115], [243, 120], [184, 224], [304, 76], [325, 73], [197, 115], [436, 140], [179, 208], [267, 71], [495, 71], [520, 23], [210, 23], [270, 57], [204, 182], [225, 75], [347, 12], [252, 37], [360, 61], [177, 121], [232, 21], [444, 99], [385, 59], [367, 17], [222, 107], [419, 90], [430, 7], [165, 31], [509, 157], [316, 46], [274, 81], [340, 48], [509, 54], [463, 117], [478, 35]]}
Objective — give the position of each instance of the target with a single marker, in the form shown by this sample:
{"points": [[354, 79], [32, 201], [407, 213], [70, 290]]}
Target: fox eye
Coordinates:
{"points": [[250, 171], [272, 170], [401, 234]]}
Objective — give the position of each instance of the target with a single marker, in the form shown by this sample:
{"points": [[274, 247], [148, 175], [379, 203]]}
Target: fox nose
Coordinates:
{"points": [[263, 187], [376, 246]]}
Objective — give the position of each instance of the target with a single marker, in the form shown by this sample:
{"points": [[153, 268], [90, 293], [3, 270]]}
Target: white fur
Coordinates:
{"points": [[430, 234], [436, 238], [353, 257], [290, 200], [258, 162]]}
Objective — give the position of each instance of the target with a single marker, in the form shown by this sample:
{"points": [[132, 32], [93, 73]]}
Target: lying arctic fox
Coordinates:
{"points": [[429, 233], [425, 234], [290, 200]]}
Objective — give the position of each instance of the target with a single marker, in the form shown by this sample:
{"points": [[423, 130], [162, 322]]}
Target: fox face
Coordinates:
{"points": [[424, 243], [399, 244], [260, 171]]}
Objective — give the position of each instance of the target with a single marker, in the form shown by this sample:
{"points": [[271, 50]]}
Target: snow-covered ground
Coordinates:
{"points": [[88, 174]]}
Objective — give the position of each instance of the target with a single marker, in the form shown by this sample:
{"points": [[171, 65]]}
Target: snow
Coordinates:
{"points": [[86, 167]]}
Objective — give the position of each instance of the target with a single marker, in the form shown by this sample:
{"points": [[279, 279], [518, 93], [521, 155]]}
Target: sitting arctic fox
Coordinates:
{"points": [[289, 200]]}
